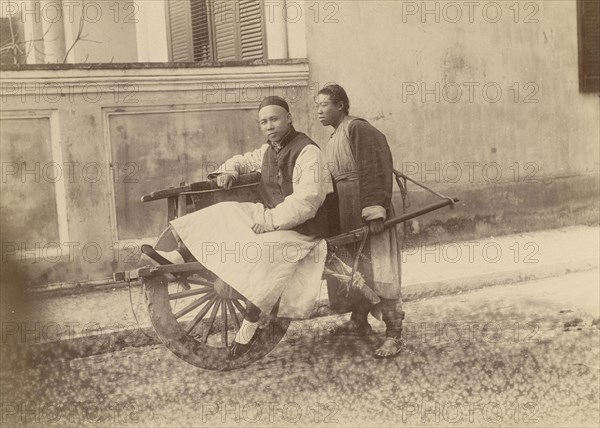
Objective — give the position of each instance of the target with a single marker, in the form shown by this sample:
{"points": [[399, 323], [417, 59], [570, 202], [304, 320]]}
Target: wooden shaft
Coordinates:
{"points": [[357, 235]]}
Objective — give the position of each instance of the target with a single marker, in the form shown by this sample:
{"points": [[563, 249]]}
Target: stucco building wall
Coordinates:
{"points": [[485, 107]]}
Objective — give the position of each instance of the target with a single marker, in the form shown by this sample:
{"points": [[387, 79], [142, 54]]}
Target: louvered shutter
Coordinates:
{"points": [[226, 35], [251, 29], [221, 30], [180, 31], [588, 17], [201, 30]]}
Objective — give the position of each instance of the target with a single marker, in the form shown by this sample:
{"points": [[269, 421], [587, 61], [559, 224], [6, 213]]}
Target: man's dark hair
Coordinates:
{"points": [[336, 94]]}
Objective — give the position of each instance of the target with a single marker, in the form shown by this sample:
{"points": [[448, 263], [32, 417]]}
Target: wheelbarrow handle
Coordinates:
{"points": [[207, 186], [357, 235]]}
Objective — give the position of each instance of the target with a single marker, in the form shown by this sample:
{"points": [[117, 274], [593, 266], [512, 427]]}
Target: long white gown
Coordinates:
{"points": [[262, 267]]}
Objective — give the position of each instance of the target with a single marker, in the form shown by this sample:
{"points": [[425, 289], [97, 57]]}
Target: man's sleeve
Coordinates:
{"points": [[310, 188], [375, 168], [242, 164]]}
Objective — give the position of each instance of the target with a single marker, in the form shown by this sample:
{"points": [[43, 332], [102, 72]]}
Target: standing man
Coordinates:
{"points": [[360, 162]]}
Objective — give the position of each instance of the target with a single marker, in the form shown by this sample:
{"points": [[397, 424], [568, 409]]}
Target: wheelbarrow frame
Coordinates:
{"points": [[177, 335]]}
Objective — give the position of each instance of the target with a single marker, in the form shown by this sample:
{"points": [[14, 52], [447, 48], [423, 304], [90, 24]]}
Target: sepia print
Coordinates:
{"points": [[299, 213]]}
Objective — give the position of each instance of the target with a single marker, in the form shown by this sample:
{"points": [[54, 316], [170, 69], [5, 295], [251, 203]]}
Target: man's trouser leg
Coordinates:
{"points": [[360, 311], [392, 316]]}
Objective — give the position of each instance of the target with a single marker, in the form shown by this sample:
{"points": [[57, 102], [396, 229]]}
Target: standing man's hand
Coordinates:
{"points": [[225, 181], [376, 226]]}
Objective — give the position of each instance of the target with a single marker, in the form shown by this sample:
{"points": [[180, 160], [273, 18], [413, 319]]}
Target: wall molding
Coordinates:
{"points": [[156, 80], [57, 157]]}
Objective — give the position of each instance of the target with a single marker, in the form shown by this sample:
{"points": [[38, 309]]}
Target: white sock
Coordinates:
{"points": [[246, 332], [174, 256]]}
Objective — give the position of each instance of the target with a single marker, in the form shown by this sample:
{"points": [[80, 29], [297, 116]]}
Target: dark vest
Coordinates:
{"points": [[277, 180]]}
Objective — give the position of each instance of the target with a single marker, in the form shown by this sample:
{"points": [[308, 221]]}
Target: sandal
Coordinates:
{"points": [[391, 347]]}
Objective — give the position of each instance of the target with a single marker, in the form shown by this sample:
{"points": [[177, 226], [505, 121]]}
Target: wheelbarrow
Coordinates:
{"points": [[194, 313]]}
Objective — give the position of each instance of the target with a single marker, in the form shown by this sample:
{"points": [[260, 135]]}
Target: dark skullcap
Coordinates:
{"points": [[274, 100]]}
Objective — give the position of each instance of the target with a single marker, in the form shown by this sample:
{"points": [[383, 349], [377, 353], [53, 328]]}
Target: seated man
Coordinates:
{"points": [[283, 265]]}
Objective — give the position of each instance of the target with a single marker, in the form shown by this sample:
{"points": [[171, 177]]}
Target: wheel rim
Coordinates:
{"points": [[198, 317]]}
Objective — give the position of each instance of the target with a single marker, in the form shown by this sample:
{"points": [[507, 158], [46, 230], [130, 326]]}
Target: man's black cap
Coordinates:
{"points": [[274, 100]]}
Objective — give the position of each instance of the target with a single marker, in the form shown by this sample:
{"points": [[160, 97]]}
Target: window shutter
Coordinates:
{"points": [[180, 30], [226, 36], [201, 31], [251, 29], [588, 17], [215, 30]]}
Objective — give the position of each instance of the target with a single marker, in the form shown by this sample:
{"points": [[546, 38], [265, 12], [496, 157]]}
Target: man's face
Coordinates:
{"points": [[329, 112], [275, 122]]}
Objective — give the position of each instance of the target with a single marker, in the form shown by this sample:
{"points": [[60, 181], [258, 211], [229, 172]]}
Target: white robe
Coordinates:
{"points": [[261, 267]]}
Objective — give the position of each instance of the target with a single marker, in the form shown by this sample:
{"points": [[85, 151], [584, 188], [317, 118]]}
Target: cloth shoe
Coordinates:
{"points": [[238, 350]]}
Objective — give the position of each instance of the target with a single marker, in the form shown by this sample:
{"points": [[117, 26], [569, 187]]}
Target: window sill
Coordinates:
{"points": [[151, 65], [157, 77]]}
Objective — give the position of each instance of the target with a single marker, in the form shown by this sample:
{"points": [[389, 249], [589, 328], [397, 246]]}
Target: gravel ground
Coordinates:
{"points": [[518, 355]]}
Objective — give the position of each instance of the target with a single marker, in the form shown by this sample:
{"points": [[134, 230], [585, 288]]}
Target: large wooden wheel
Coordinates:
{"points": [[197, 315]]}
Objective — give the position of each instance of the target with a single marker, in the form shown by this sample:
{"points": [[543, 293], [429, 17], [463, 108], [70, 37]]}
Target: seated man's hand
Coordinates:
{"points": [[225, 181], [376, 226], [264, 224], [261, 228]]}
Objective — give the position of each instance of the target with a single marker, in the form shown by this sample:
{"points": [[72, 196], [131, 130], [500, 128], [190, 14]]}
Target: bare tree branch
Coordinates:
{"points": [[79, 32], [32, 41], [25, 47]]}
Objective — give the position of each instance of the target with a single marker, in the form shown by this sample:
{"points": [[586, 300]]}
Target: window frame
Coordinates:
{"points": [[589, 82], [212, 11]]}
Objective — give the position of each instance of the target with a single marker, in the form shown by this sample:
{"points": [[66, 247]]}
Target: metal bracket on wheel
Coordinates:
{"points": [[150, 271]]}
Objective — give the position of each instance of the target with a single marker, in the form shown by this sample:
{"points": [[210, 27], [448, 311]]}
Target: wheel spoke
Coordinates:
{"points": [[240, 307], [224, 323], [211, 321], [189, 293], [193, 305], [201, 314], [236, 321]]}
